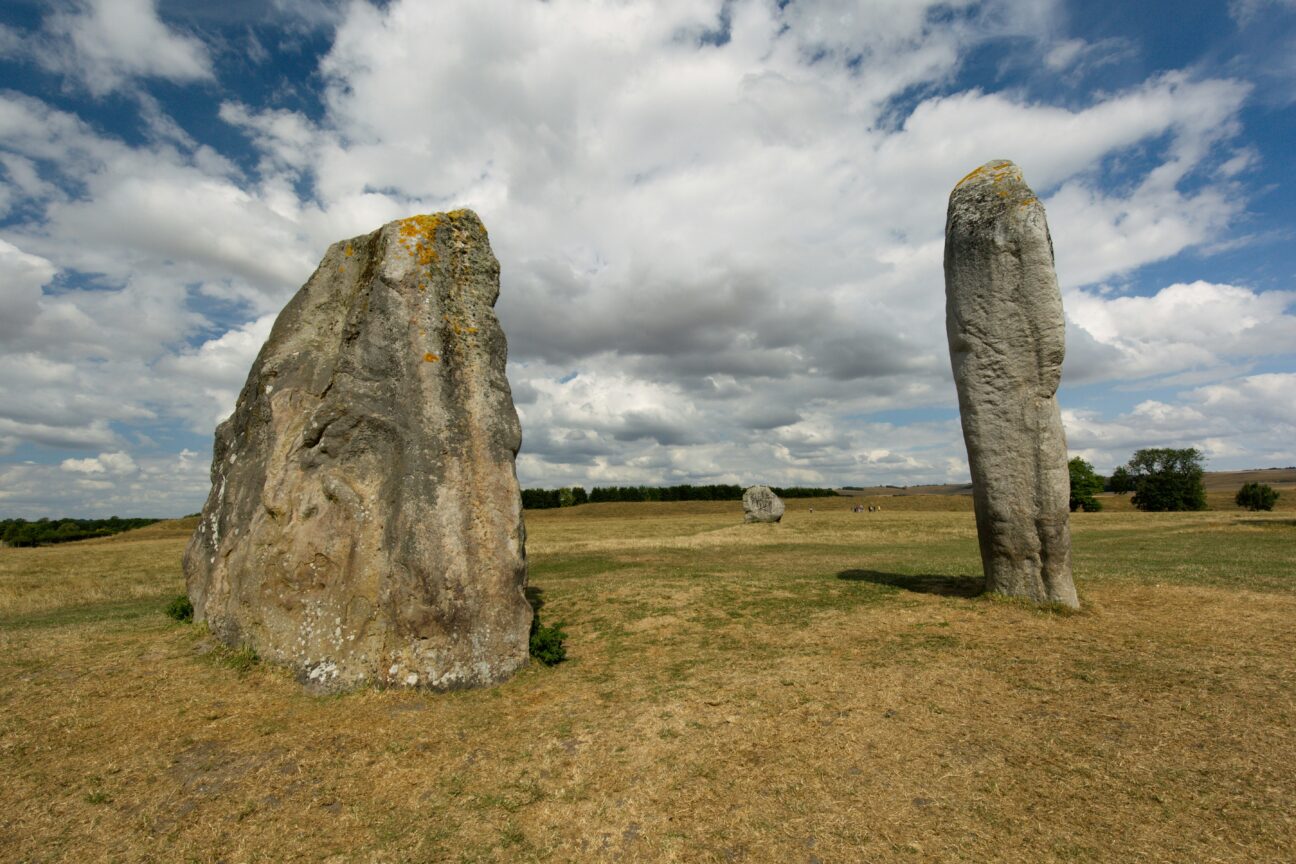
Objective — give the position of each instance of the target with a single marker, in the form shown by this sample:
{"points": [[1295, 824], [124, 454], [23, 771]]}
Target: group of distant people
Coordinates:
{"points": [[859, 508]]}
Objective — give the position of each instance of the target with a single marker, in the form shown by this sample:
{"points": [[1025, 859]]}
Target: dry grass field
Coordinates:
{"points": [[830, 689]]}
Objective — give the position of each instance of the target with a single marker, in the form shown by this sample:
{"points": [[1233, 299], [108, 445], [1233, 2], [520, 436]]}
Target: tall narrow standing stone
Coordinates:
{"points": [[1003, 316], [365, 522]]}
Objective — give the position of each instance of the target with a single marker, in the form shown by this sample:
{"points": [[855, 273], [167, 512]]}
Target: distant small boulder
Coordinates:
{"points": [[760, 504]]}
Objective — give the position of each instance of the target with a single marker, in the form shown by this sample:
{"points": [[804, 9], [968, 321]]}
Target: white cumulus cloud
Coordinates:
{"points": [[106, 43], [719, 225]]}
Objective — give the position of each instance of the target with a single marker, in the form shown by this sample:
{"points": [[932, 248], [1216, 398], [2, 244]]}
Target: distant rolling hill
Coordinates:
{"points": [[1282, 479]]}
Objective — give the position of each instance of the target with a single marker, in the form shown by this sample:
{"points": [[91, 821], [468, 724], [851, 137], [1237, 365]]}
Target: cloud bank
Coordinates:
{"points": [[720, 227]]}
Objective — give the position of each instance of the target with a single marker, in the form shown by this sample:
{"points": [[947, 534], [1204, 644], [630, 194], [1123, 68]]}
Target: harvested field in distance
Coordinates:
{"points": [[829, 689], [1282, 479], [1221, 487]]}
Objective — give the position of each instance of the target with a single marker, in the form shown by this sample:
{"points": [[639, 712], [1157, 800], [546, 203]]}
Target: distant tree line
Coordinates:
{"points": [[20, 532], [541, 499]]}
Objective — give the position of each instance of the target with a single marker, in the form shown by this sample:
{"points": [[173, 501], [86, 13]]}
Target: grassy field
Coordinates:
{"points": [[830, 689]]}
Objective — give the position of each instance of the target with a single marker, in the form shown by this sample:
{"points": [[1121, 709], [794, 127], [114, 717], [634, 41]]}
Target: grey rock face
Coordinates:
{"points": [[1006, 329], [365, 521], [760, 504]]}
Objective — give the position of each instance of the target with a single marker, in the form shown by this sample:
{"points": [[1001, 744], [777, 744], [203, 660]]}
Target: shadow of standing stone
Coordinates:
{"points": [[926, 583]]}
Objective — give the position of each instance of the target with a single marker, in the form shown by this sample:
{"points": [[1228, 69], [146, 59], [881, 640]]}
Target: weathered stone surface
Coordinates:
{"points": [[365, 520], [1006, 330], [760, 504]]}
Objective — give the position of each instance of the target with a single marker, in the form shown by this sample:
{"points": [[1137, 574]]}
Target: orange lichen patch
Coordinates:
{"points": [[349, 251], [998, 173], [418, 235], [973, 173], [430, 357], [422, 227]]}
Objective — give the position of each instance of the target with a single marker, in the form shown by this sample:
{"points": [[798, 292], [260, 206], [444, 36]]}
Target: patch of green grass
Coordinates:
{"points": [[1040, 608], [512, 835], [88, 613], [1205, 551], [575, 567]]}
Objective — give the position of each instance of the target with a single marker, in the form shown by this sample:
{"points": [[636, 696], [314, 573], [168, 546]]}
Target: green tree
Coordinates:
{"points": [[1256, 496], [1167, 479], [1121, 481], [570, 496], [1084, 485]]}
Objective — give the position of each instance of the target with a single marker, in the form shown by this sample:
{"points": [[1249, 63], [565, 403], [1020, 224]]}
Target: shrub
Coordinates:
{"points": [[547, 642], [180, 609], [1256, 496]]}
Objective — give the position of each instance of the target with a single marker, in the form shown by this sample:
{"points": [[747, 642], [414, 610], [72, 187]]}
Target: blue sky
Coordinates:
{"points": [[719, 224]]}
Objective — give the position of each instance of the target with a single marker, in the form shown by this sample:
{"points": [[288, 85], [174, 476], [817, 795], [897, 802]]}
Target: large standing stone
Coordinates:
{"points": [[365, 522], [760, 504], [1006, 329]]}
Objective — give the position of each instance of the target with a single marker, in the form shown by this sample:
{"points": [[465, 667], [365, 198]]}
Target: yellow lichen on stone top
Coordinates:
{"points": [[349, 250], [418, 235], [464, 213], [999, 170], [968, 176]]}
